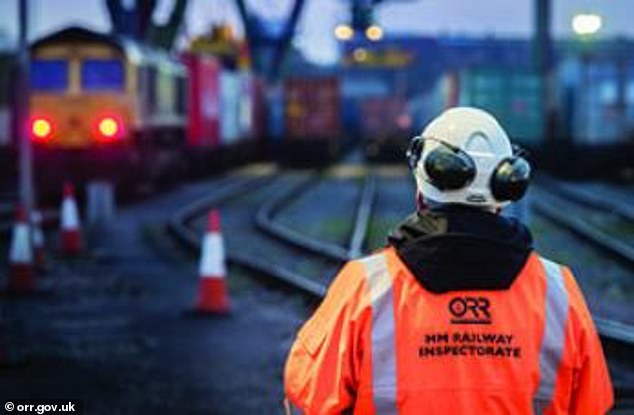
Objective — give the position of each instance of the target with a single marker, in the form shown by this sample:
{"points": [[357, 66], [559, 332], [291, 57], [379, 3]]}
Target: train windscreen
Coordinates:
{"points": [[102, 75], [50, 75]]}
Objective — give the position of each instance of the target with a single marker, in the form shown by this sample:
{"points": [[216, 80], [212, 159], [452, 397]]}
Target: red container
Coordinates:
{"points": [[312, 108], [203, 129], [385, 117]]}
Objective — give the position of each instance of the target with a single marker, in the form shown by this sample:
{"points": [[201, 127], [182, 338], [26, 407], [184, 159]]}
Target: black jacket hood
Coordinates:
{"points": [[456, 248]]}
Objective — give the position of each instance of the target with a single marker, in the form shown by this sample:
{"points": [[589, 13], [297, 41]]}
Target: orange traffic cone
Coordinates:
{"points": [[70, 236], [39, 256], [21, 276], [212, 291]]}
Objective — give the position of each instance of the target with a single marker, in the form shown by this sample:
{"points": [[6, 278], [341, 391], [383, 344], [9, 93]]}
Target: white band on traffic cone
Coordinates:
{"points": [[70, 217], [21, 251], [212, 264]]}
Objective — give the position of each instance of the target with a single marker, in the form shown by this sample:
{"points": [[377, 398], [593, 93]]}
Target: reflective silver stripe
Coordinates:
{"points": [[290, 408], [383, 335], [551, 350]]}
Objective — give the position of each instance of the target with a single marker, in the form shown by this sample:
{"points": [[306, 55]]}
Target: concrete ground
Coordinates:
{"points": [[112, 328]]}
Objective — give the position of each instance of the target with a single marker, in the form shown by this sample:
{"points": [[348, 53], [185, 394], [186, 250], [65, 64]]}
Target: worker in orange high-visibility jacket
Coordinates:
{"points": [[458, 314]]}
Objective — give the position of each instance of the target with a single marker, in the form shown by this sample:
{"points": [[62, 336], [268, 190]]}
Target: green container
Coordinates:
{"points": [[513, 97]]}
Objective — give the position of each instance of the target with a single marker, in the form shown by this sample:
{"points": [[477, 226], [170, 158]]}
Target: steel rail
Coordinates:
{"points": [[589, 199], [602, 240], [265, 220], [179, 226]]}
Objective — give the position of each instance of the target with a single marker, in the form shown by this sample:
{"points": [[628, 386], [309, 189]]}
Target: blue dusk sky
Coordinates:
{"points": [[448, 17]]}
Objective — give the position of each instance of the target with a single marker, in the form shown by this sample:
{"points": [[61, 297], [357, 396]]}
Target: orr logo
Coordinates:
{"points": [[470, 310]]}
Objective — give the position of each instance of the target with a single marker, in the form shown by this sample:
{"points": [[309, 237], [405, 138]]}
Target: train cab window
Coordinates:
{"points": [[50, 75], [102, 75]]}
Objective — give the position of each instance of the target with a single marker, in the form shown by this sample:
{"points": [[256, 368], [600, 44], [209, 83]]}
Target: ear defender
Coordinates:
{"points": [[447, 167], [510, 179], [451, 168]]}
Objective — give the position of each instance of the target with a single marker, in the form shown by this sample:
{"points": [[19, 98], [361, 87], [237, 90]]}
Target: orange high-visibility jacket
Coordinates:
{"points": [[381, 344]]}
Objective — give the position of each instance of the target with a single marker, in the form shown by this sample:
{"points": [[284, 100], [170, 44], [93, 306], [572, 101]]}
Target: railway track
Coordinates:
{"points": [[265, 219], [607, 225], [594, 196], [618, 338], [319, 259], [248, 246]]}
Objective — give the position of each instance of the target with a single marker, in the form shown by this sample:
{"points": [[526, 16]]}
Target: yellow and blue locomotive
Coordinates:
{"points": [[104, 107]]}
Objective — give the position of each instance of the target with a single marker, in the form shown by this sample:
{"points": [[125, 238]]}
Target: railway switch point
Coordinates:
{"points": [[70, 234], [21, 275], [212, 290]]}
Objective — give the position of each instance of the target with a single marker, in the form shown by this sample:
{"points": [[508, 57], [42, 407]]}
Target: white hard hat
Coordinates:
{"points": [[465, 157]]}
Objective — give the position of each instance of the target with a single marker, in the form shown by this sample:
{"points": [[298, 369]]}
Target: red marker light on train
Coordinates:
{"points": [[41, 128], [109, 128]]}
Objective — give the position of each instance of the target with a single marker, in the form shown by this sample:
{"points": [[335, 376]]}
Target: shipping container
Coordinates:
{"points": [[221, 115], [230, 90], [360, 85], [246, 98], [386, 127], [203, 128], [597, 100], [512, 96], [356, 88], [596, 123], [312, 109], [384, 118], [312, 121], [422, 110], [593, 129]]}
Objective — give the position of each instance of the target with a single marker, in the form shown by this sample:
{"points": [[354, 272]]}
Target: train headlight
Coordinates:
{"points": [[41, 128]]}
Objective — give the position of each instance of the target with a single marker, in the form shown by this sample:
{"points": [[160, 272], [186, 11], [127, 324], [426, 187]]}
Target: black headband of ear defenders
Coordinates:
{"points": [[417, 144]]}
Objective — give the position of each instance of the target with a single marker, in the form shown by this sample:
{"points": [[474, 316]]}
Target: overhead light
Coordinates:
{"points": [[587, 24], [374, 32], [360, 54], [344, 32]]}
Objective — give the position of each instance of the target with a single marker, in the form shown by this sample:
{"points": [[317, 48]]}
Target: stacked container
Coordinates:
{"points": [[512, 96], [597, 99], [203, 129], [312, 109], [230, 89], [312, 120]]}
